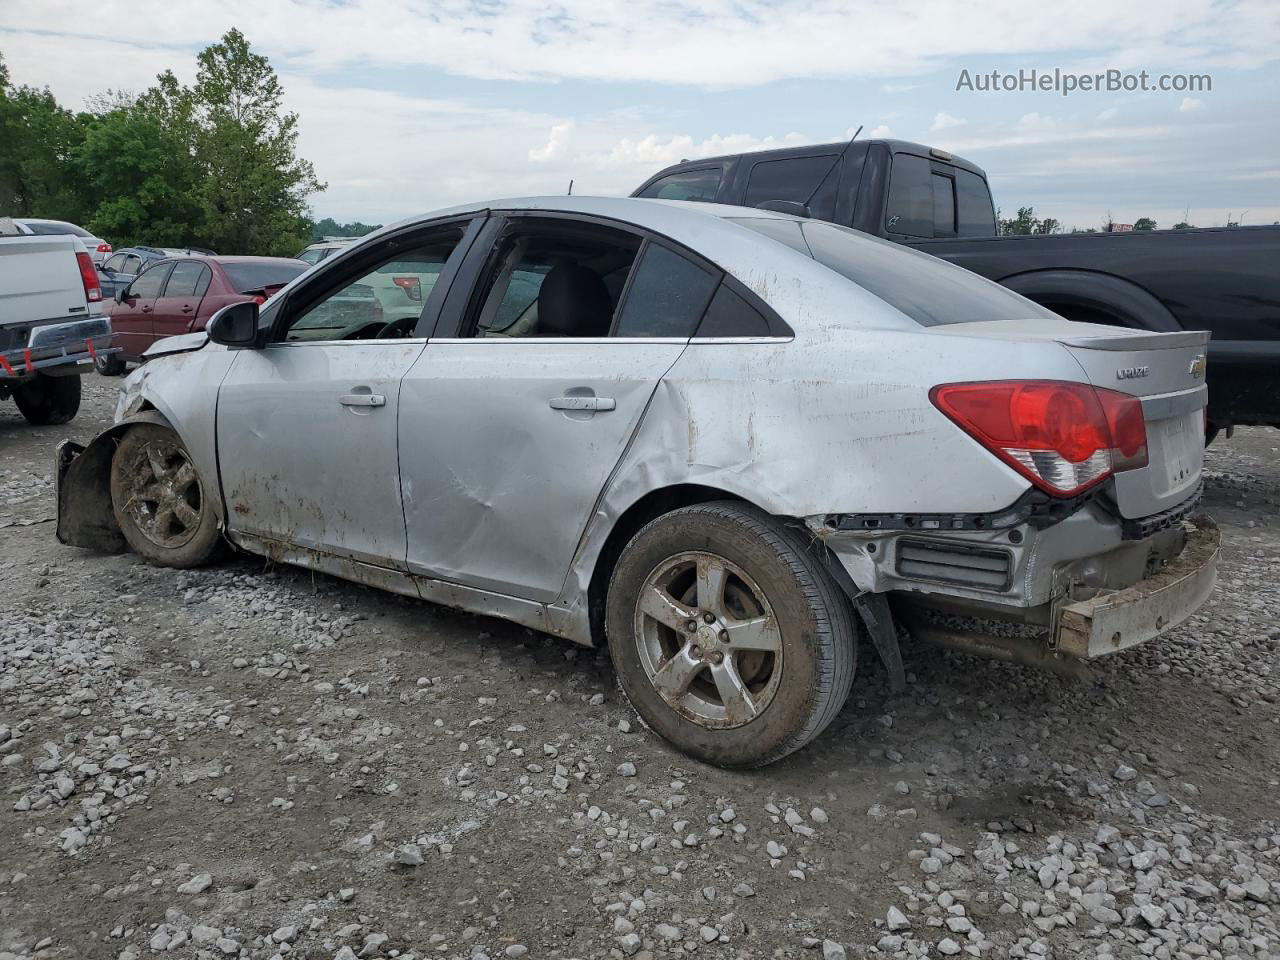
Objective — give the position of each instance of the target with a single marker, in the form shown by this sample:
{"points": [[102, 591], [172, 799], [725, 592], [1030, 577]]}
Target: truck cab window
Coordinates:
{"points": [[685, 185], [792, 178], [974, 214], [944, 206], [910, 207]]}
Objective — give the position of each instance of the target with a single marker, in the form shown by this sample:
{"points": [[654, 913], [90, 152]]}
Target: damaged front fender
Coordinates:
{"points": [[82, 483]]}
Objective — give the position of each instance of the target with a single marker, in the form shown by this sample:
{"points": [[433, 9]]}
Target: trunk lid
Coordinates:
{"points": [[1165, 370], [40, 279]]}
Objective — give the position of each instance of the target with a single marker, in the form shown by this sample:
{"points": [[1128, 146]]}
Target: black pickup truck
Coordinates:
{"points": [[1225, 280]]}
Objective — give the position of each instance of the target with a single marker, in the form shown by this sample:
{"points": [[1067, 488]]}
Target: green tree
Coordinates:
{"points": [[1027, 223], [138, 157], [1144, 223], [253, 186], [328, 227], [37, 140]]}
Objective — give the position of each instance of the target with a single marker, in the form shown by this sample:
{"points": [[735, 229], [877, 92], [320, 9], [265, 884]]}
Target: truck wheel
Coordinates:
{"points": [[46, 400], [729, 639], [111, 366], [161, 506]]}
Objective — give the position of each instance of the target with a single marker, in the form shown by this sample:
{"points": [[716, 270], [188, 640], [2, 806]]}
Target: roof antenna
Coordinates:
{"points": [[839, 160], [570, 193]]}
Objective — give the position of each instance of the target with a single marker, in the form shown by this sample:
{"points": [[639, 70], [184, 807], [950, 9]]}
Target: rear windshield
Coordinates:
{"points": [[255, 276], [57, 228], [930, 291]]}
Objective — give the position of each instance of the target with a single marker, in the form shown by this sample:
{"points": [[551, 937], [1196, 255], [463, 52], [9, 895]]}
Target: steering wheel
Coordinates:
{"points": [[397, 328]]}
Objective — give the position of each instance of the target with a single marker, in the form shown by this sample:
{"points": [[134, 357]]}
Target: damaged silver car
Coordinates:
{"points": [[730, 444]]}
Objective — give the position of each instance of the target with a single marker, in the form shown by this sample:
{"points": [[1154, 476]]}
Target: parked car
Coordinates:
{"points": [[313, 253], [1219, 279], [51, 324], [177, 295], [97, 248], [126, 263], [718, 438]]}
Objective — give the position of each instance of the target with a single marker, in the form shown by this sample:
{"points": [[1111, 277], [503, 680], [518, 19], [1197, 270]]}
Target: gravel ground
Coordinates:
{"points": [[252, 761]]}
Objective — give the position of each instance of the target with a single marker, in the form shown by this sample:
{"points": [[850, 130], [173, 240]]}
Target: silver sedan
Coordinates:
{"points": [[730, 444]]}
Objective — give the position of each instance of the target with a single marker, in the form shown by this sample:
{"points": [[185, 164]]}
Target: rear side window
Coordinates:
{"points": [[729, 315], [794, 178], [148, 284], [247, 277], [311, 256], [930, 291], [667, 296], [685, 185], [974, 215], [189, 279]]}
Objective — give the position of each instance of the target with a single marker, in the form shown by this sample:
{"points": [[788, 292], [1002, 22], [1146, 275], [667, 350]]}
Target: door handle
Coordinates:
{"points": [[583, 403], [146, 309], [362, 400], [187, 308]]}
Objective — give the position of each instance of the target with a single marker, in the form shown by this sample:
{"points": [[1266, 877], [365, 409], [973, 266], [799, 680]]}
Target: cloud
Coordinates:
{"points": [[716, 43], [880, 132], [557, 142], [945, 121], [900, 87], [1036, 121], [1190, 105], [1108, 114]]}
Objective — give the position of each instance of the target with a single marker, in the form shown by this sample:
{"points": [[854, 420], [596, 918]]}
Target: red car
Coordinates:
{"points": [[180, 294]]}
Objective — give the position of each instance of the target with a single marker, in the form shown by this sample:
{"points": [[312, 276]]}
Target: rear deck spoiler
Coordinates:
{"points": [[1140, 340]]}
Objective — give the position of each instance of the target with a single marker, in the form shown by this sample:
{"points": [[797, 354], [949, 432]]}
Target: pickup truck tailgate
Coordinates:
{"points": [[40, 279], [1166, 370]]}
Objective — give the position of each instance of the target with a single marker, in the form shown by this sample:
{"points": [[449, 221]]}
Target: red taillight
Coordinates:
{"points": [[89, 277], [1064, 437], [411, 286], [104, 247]]}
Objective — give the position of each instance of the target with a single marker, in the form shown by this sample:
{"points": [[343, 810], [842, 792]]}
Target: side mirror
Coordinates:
{"points": [[121, 293], [235, 325]]}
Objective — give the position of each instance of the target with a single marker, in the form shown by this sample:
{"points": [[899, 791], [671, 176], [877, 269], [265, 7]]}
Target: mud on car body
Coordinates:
{"points": [[692, 433]]}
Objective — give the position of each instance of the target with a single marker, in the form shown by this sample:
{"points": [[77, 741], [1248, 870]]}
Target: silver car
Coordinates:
{"points": [[98, 248], [732, 445]]}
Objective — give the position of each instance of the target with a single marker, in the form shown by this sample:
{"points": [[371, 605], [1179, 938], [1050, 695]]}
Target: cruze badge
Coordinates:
{"points": [[1132, 373], [1197, 365]]}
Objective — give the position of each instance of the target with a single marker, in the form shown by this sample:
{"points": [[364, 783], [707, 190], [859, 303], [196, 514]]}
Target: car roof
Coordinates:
{"points": [[895, 146], [756, 260]]}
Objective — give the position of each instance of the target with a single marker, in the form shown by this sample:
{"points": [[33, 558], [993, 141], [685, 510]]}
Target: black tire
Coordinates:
{"points": [[816, 633], [111, 366], [158, 500], [46, 400]]}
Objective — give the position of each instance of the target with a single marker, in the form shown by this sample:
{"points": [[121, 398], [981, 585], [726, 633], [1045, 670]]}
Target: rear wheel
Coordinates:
{"points": [[730, 640], [46, 400], [111, 366], [159, 501]]}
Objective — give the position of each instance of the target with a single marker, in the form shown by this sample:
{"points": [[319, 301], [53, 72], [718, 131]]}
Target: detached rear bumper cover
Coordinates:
{"points": [[1124, 618]]}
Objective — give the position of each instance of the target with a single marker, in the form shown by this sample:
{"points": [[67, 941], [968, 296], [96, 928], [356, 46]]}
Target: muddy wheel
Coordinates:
{"points": [[111, 366], [160, 504], [45, 400], [729, 639]]}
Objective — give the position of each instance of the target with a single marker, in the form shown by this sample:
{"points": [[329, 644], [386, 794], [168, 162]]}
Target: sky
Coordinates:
{"points": [[410, 105]]}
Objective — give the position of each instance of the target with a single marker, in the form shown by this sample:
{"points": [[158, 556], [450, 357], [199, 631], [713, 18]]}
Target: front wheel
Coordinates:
{"points": [[46, 400], [729, 638], [161, 506]]}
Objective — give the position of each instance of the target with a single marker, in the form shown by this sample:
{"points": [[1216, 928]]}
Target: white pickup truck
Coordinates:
{"points": [[51, 322]]}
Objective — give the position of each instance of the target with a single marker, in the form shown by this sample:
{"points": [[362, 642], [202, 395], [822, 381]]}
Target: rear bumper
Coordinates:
{"points": [[75, 343], [1118, 620]]}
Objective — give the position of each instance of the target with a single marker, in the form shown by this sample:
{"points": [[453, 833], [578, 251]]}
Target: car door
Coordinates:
{"points": [[177, 306], [510, 430], [306, 425], [131, 317]]}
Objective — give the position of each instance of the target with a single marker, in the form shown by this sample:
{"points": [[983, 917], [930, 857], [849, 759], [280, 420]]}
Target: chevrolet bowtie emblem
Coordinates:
{"points": [[1198, 365]]}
